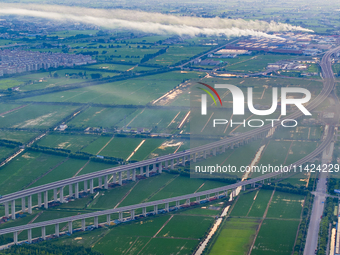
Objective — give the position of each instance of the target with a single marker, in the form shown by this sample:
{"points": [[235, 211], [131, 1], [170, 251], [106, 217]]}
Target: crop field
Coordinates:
{"points": [[299, 133], [35, 116], [177, 53], [285, 206], [18, 136], [244, 204], [8, 107], [257, 63], [5, 151], [25, 169], [235, 237], [174, 233], [299, 150], [170, 146], [67, 142], [178, 227], [276, 237], [137, 91], [117, 67], [159, 120], [101, 117], [121, 147], [260, 203]]}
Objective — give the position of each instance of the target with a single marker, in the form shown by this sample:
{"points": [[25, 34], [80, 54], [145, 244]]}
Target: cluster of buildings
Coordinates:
{"points": [[19, 61], [288, 43]]}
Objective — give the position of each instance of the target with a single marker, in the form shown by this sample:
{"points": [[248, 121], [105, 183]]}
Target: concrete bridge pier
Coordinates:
{"points": [[91, 186], [160, 167], [13, 209], [43, 232], [39, 200], [134, 175], [85, 186], [46, 199], [120, 179], [172, 164], [96, 221], [57, 229], [23, 206], [100, 184], [29, 204], [147, 174], [29, 235], [76, 189], [15, 237], [108, 219], [6, 209], [106, 182], [83, 224], [70, 227]]}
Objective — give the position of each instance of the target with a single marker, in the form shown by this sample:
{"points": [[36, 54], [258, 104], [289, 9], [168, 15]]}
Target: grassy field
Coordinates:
{"points": [[18, 136], [67, 142], [276, 237], [243, 204], [260, 204], [235, 237], [137, 91], [35, 116], [25, 169], [177, 53], [285, 206], [101, 117]]}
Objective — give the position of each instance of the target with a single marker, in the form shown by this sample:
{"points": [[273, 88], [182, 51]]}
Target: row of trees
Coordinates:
{"points": [[150, 56], [49, 249]]}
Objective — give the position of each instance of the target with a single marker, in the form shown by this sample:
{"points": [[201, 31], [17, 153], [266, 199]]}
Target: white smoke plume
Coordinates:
{"points": [[150, 22]]}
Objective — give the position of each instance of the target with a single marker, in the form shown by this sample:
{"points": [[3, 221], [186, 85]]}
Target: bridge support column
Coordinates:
{"points": [[253, 185], [134, 175], [55, 195], [183, 161], [232, 146], [223, 148], [144, 211], [70, 190], [114, 177], [141, 171], [166, 164], [96, 221], [204, 154], [194, 158], [76, 190], [214, 151], [120, 217], [13, 209], [128, 175], [167, 207], [70, 228], [120, 179], [85, 186], [132, 214], [160, 167], [23, 204], [43, 232], [154, 167], [244, 187], [39, 200], [147, 174], [29, 235], [172, 164], [29, 204], [108, 219], [15, 237], [178, 203], [106, 185], [62, 195], [155, 209], [83, 224], [46, 199], [91, 186], [56, 229], [6, 209], [100, 179], [197, 199]]}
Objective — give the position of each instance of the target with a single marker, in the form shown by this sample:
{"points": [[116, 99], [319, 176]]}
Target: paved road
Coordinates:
{"points": [[321, 189]]}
